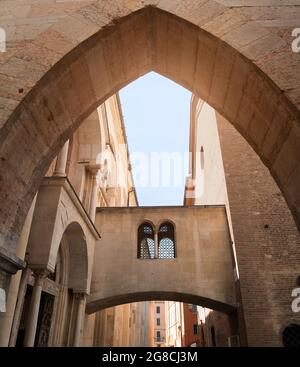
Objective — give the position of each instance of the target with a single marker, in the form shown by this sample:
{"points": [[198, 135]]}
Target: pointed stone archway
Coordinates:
{"points": [[149, 39]]}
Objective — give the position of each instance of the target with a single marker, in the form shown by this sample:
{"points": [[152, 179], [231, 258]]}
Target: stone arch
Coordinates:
{"points": [[62, 263], [164, 220], [78, 258], [58, 214], [84, 78], [96, 305], [146, 220], [190, 273], [72, 234]]}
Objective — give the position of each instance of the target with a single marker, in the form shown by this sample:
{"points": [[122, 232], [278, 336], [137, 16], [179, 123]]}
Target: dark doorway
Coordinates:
{"points": [[22, 325], [213, 336], [291, 336], [44, 320]]}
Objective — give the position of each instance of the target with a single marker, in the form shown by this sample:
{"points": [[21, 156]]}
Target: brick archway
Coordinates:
{"points": [[149, 39]]}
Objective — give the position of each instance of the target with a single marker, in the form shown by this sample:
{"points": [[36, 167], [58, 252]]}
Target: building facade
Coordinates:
{"points": [[158, 324], [174, 324], [47, 308], [224, 169]]}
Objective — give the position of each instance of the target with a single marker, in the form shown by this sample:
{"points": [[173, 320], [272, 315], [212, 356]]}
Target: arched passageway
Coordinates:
{"points": [[92, 71], [121, 276], [50, 309], [163, 296], [149, 39], [164, 318]]}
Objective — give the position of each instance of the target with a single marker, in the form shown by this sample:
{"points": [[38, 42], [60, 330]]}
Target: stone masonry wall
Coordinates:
{"points": [[266, 240]]}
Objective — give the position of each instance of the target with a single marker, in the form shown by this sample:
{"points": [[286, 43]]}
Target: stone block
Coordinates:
{"points": [[224, 63], [206, 57], [136, 43], [278, 131], [245, 34], [287, 159], [236, 85]]}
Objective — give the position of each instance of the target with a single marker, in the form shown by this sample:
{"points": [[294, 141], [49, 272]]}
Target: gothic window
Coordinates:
{"points": [[146, 241], [166, 241]]}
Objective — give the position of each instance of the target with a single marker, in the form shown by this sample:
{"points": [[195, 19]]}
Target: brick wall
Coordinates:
{"points": [[221, 324], [266, 240]]}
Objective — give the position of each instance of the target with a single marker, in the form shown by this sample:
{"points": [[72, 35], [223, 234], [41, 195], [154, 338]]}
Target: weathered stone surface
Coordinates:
{"points": [[287, 159], [206, 56], [225, 22], [236, 85], [223, 66], [262, 46]]}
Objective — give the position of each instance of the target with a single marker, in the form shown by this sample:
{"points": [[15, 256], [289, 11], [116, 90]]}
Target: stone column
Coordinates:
{"points": [[155, 245], [9, 321], [9, 265], [61, 161], [93, 201], [88, 330], [80, 299], [19, 307], [33, 314]]}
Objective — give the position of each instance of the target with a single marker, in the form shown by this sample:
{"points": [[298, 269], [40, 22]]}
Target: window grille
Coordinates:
{"points": [[166, 241], [146, 241]]}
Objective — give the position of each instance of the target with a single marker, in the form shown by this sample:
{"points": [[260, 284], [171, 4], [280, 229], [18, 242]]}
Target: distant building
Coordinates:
{"points": [[158, 324], [174, 324], [191, 332]]}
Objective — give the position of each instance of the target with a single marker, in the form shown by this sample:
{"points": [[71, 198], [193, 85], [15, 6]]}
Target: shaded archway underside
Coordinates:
{"points": [[149, 39], [92, 307]]}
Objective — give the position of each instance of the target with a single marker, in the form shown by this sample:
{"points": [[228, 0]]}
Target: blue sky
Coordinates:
{"points": [[157, 115]]}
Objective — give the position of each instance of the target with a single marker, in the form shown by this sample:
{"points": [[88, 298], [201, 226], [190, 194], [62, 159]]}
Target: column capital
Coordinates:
{"points": [[79, 295], [40, 275], [93, 169], [155, 244]]}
